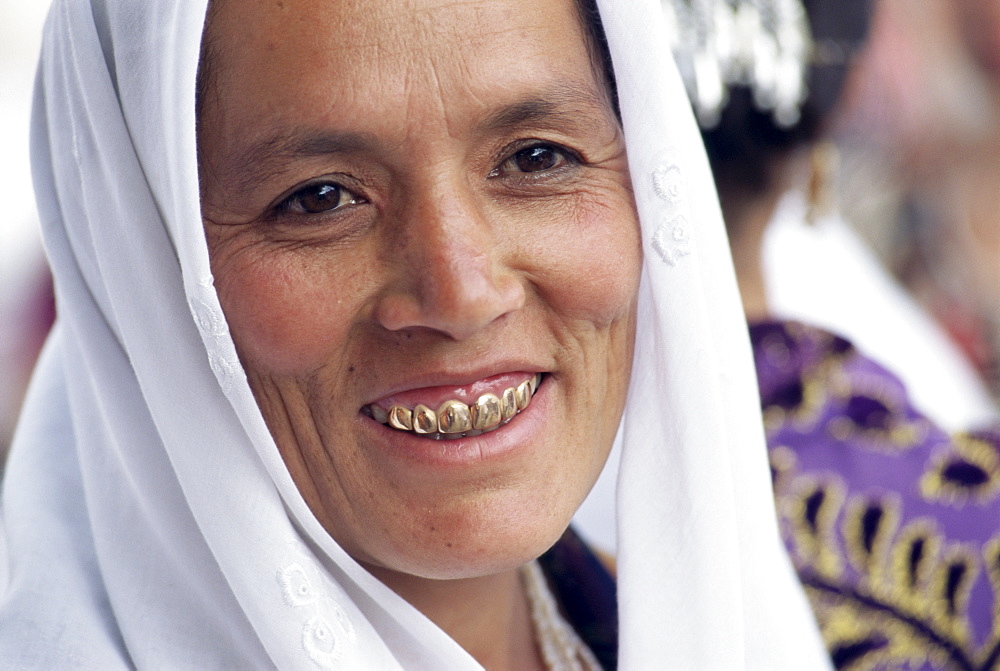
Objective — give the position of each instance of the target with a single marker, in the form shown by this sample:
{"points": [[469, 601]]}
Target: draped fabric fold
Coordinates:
{"points": [[695, 510], [148, 518]]}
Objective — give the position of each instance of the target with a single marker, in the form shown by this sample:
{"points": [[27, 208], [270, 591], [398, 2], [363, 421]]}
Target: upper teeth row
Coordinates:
{"points": [[455, 417]]}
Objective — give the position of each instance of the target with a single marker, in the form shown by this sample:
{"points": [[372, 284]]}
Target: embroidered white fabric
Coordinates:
{"points": [[149, 519]]}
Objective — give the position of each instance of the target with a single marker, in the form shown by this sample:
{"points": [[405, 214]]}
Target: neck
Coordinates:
{"points": [[747, 218], [747, 259], [488, 616], [747, 225]]}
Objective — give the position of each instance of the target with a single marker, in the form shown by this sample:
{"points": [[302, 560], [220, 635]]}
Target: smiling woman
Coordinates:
{"points": [[350, 295], [475, 200]]}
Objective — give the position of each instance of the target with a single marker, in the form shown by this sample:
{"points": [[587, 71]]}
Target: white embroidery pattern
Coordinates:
{"points": [[667, 182], [295, 586], [320, 643], [209, 321], [215, 334], [672, 238], [327, 630]]}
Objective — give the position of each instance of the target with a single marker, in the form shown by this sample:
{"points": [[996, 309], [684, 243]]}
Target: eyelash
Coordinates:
{"points": [[292, 204], [566, 158]]}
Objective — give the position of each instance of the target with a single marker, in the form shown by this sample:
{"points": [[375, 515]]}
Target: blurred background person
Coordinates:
{"points": [[889, 502], [924, 125], [813, 266], [891, 517]]}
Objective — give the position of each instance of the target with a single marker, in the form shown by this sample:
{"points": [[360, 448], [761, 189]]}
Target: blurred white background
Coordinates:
{"points": [[20, 40], [20, 249]]}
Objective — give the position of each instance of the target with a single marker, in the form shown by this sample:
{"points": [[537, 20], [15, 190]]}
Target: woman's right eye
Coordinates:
{"points": [[536, 159], [318, 198]]}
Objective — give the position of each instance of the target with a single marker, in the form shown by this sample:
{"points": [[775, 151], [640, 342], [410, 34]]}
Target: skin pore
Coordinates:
{"points": [[407, 200]]}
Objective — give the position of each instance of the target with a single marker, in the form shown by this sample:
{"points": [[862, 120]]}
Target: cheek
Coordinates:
{"points": [[589, 269], [285, 319]]}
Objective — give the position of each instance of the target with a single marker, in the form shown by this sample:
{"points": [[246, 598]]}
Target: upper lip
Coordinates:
{"points": [[453, 378]]}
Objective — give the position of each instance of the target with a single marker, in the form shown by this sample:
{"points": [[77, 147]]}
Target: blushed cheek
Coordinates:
{"points": [[596, 269], [283, 322]]}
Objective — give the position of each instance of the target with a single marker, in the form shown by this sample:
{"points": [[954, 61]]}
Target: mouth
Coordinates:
{"points": [[455, 418]]}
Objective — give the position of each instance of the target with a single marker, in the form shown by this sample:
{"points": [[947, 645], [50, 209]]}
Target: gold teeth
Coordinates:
{"points": [[508, 403], [424, 420], [454, 419], [485, 412], [400, 418], [523, 394]]}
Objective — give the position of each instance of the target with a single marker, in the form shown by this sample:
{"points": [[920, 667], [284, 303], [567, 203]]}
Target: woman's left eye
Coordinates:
{"points": [[534, 159], [318, 198]]}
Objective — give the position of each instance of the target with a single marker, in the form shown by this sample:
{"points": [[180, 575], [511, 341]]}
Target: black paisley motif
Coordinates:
{"points": [[848, 653], [966, 470], [867, 530], [868, 413]]}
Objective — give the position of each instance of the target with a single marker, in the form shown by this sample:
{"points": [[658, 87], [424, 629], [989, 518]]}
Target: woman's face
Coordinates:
{"points": [[423, 203]]}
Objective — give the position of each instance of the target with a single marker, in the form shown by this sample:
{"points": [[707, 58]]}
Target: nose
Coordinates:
{"points": [[450, 274]]}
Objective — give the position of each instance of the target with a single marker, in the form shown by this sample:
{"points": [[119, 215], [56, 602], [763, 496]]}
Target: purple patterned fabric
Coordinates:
{"points": [[893, 525]]}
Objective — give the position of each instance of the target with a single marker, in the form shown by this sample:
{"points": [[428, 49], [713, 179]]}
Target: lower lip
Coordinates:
{"points": [[517, 436]]}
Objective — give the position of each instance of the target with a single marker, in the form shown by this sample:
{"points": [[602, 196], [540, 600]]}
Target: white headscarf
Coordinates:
{"points": [[149, 518]]}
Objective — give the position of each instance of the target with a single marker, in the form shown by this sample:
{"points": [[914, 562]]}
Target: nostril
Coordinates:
{"points": [[457, 307]]}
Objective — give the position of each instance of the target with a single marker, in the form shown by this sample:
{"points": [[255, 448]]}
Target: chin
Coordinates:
{"points": [[472, 539]]}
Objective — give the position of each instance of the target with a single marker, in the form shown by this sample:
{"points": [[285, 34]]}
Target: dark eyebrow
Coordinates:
{"points": [[569, 105], [258, 161]]}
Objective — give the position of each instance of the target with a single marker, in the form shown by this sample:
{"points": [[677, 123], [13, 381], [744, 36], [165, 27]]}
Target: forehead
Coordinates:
{"points": [[341, 57]]}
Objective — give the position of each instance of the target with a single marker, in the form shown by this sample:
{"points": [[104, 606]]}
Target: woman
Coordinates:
{"points": [[939, 66], [893, 523], [796, 256], [389, 214]]}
